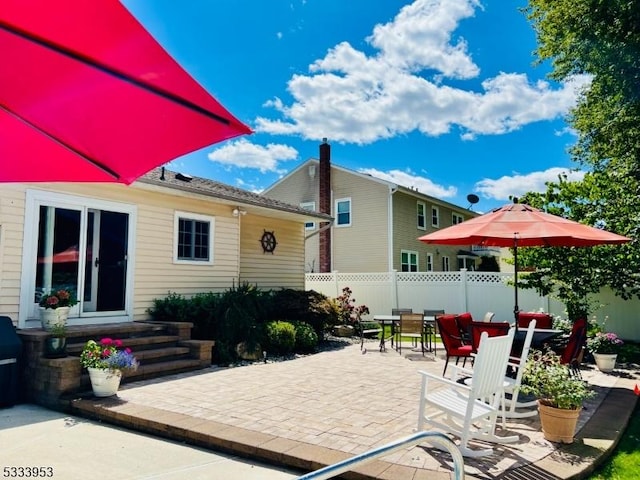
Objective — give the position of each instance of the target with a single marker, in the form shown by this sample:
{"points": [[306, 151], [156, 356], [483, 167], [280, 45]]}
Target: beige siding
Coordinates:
{"points": [[284, 268], [406, 232], [155, 272], [300, 188], [364, 246]]}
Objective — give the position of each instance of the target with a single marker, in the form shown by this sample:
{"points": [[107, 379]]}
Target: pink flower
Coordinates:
{"points": [[118, 343], [106, 341], [52, 301]]}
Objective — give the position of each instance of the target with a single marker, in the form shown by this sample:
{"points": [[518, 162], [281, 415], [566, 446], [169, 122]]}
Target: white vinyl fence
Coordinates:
{"points": [[463, 291]]}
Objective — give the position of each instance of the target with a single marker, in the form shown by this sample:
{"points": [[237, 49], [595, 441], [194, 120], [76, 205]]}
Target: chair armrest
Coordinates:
{"points": [[446, 381]]}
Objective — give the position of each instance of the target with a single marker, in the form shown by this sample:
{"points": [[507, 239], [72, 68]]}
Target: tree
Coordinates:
{"points": [[599, 38]]}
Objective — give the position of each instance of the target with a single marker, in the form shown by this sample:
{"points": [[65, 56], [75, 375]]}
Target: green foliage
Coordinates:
{"points": [[306, 338], [600, 39], [552, 383], [488, 263], [307, 306], [280, 337], [240, 314]]}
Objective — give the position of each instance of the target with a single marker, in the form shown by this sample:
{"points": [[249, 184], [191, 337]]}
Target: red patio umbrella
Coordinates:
{"points": [[520, 225], [87, 94]]}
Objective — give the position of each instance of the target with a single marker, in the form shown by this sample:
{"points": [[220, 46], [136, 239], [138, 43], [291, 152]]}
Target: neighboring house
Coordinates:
{"points": [[376, 222], [120, 247]]}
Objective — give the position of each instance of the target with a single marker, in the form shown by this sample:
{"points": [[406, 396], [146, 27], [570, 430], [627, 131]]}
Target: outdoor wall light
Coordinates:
{"points": [[238, 211]]}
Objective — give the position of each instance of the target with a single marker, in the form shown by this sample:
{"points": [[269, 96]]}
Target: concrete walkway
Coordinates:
{"points": [[319, 409], [72, 448]]}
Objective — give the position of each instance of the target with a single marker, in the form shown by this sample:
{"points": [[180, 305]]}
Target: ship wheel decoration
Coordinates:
{"points": [[268, 242]]}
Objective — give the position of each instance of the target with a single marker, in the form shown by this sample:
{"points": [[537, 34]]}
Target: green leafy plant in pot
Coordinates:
{"points": [[560, 394]]}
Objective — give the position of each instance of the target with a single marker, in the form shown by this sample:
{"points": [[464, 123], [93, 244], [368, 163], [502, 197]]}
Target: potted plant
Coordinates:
{"points": [[55, 306], [106, 361], [55, 345], [560, 394], [605, 347]]}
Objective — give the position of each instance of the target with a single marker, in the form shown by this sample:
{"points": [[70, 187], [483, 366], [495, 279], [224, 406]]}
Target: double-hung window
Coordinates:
{"points": [[435, 217], [343, 212], [429, 262], [421, 213], [310, 206], [445, 264], [456, 219]]}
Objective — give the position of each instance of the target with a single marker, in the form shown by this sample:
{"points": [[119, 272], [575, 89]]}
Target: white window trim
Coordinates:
{"points": [[429, 265], [424, 215], [410, 253], [437, 214], [310, 206], [200, 218], [339, 200], [458, 216], [33, 200], [445, 259]]}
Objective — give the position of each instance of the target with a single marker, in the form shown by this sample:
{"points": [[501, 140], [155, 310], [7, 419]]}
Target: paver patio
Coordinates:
{"points": [[322, 408]]}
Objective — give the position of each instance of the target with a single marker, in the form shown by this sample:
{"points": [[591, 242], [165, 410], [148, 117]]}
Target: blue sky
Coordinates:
{"points": [[441, 95]]}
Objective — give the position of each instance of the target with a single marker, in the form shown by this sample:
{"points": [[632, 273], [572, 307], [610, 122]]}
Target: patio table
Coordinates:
{"points": [[393, 320]]}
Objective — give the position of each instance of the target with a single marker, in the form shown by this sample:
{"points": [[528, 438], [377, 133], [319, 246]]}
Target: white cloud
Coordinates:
{"points": [[351, 97], [244, 154], [409, 180], [516, 185]]}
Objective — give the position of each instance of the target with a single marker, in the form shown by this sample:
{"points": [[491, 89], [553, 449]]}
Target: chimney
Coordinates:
{"points": [[325, 205]]}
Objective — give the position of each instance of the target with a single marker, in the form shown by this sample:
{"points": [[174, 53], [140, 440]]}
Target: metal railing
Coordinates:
{"points": [[348, 464]]}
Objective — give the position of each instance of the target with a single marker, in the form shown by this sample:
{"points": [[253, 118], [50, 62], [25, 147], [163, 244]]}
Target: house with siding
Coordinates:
{"points": [[120, 247], [376, 222]]}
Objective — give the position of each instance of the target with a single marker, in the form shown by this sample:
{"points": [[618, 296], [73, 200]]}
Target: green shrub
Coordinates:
{"points": [[280, 337], [307, 306], [306, 338], [173, 308]]}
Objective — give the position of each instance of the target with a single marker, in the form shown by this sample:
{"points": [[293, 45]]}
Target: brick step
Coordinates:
{"points": [[82, 333], [137, 344], [150, 356]]}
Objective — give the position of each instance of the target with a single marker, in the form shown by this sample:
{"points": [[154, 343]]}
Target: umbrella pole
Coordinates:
{"points": [[515, 279]]}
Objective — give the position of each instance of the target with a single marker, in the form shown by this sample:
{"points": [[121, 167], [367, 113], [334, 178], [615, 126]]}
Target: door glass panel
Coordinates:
{"points": [[58, 250]]}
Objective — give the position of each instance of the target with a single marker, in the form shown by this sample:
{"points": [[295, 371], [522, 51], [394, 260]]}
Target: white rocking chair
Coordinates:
{"points": [[470, 412], [512, 385]]}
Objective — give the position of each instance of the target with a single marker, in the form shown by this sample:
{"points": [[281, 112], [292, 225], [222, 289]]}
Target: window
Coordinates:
{"points": [[456, 219], [343, 212], [422, 214], [408, 261], [310, 206], [445, 264], [429, 262], [435, 217], [193, 238]]}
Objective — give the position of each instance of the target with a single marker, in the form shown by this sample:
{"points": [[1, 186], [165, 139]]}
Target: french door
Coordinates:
{"points": [[82, 247]]}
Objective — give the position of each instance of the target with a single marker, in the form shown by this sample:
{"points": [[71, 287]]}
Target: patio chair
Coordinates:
{"points": [[411, 325], [494, 329], [464, 320], [432, 327], [572, 353], [543, 320], [470, 412], [452, 341], [488, 317], [397, 312], [512, 383], [369, 327]]}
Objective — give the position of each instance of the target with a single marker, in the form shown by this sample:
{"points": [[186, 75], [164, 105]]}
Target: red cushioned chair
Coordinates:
{"points": [[543, 320], [494, 329], [572, 353], [464, 321], [451, 339]]}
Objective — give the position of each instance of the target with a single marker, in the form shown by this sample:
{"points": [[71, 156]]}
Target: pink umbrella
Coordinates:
{"points": [[519, 225], [87, 94]]}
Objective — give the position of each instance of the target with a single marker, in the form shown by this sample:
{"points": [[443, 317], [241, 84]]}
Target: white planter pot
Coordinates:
{"points": [[605, 362], [53, 316], [104, 382]]}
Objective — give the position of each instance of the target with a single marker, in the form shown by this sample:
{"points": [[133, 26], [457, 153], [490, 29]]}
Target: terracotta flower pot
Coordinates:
{"points": [[558, 424]]}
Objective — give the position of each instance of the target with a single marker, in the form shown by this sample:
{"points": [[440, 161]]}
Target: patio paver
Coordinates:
{"points": [[322, 408]]}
